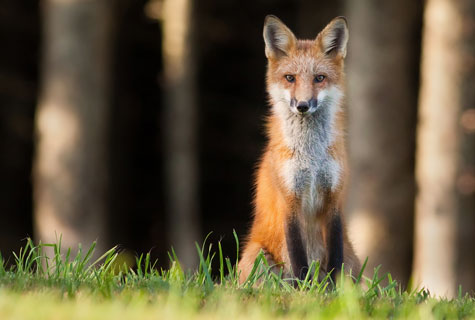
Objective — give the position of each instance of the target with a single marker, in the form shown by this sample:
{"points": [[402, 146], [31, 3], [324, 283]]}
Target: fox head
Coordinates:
{"points": [[304, 76]]}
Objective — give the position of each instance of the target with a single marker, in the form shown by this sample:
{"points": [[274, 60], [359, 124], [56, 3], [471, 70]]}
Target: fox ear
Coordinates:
{"points": [[278, 38], [334, 38]]}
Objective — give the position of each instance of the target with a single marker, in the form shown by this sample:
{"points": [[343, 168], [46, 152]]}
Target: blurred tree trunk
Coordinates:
{"points": [[71, 123], [180, 123], [382, 105], [445, 207]]}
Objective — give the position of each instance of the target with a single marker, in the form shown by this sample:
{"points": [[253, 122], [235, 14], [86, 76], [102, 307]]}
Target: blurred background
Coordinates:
{"points": [[140, 122]]}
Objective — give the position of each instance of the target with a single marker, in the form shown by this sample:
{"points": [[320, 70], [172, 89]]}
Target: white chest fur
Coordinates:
{"points": [[309, 177]]}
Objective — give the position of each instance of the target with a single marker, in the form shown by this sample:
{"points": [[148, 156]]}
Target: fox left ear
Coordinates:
{"points": [[334, 38], [278, 38]]}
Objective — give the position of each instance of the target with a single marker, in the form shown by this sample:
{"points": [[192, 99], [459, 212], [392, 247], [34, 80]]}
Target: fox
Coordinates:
{"points": [[301, 177]]}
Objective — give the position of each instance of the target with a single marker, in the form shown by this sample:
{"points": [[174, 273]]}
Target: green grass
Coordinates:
{"points": [[74, 287]]}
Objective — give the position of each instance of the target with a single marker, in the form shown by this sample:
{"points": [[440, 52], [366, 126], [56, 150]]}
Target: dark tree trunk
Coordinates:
{"points": [[19, 22], [180, 123], [382, 102]]}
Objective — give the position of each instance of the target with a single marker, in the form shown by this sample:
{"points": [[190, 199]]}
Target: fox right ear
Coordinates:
{"points": [[334, 38], [278, 38]]}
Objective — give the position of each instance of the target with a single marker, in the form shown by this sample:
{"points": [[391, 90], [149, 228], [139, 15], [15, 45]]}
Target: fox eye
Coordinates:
{"points": [[319, 78], [290, 78]]}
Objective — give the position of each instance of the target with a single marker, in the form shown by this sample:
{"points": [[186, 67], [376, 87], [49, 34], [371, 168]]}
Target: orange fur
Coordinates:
{"points": [[274, 201]]}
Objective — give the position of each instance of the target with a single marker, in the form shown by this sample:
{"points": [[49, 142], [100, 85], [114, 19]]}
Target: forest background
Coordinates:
{"points": [[140, 122]]}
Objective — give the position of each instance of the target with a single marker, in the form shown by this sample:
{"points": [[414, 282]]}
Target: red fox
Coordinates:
{"points": [[300, 182]]}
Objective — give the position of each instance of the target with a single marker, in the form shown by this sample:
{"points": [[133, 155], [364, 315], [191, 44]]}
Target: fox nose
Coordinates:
{"points": [[302, 106]]}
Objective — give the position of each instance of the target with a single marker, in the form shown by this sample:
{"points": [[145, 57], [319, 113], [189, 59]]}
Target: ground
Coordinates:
{"points": [[66, 287]]}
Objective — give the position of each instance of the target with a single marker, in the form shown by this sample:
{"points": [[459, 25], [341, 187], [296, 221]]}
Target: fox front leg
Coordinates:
{"points": [[335, 246], [296, 249]]}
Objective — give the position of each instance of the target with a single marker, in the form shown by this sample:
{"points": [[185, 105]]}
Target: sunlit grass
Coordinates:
{"points": [[74, 287]]}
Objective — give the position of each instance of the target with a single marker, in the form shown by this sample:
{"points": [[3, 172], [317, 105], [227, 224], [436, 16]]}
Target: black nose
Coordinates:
{"points": [[302, 106]]}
